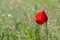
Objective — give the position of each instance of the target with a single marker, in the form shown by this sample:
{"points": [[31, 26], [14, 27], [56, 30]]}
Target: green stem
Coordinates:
{"points": [[46, 32]]}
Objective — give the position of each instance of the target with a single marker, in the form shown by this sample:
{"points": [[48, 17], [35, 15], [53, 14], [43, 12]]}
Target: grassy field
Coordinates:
{"points": [[17, 20]]}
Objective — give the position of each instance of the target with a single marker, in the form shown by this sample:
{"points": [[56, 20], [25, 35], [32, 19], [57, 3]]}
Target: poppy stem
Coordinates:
{"points": [[46, 32]]}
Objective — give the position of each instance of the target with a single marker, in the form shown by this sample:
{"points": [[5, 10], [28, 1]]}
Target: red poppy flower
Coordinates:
{"points": [[41, 17]]}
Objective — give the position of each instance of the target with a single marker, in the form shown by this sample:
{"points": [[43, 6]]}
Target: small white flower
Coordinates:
{"points": [[9, 15]]}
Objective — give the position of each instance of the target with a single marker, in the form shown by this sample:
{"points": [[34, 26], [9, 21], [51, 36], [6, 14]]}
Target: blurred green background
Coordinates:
{"points": [[17, 19]]}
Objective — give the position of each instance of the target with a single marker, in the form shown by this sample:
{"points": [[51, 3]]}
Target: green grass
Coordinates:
{"points": [[17, 20]]}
